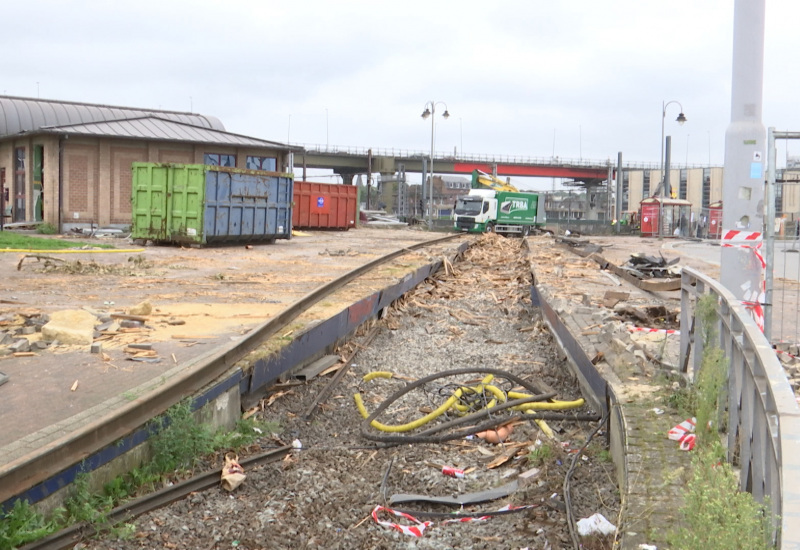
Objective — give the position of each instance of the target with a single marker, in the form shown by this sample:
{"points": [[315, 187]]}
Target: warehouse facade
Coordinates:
{"points": [[69, 164]]}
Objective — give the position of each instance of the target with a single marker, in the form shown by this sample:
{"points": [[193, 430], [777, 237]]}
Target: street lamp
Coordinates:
{"points": [[430, 111], [680, 120]]}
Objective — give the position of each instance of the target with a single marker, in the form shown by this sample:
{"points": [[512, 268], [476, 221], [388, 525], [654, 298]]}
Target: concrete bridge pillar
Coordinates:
{"points": [[591, 201], [347, 177]]}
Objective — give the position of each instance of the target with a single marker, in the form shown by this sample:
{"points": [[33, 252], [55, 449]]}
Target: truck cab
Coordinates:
{"points": [[476, 212]]}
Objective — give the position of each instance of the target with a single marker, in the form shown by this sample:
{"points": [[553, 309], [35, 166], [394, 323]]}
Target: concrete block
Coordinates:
{"points": [[71, 327], [782, 346], [97, 347], [20, 346], [141, 346], [529, 477]]}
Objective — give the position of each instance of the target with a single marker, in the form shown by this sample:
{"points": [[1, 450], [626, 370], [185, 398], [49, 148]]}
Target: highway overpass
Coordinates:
{"points": [[351, 161]]}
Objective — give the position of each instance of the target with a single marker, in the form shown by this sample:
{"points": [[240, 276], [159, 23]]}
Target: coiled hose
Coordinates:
{"points": [[529, 405]]}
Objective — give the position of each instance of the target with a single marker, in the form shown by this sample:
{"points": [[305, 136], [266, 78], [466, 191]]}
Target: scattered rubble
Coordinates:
{"points": [[380, 218], [647, 267]]}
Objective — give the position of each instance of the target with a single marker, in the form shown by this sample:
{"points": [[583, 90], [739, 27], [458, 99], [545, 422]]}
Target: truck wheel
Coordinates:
{"points": [[490, 227], [526, 230]]}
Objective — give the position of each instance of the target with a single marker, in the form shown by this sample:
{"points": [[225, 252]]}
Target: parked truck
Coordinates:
{"points": [[496, 206]]}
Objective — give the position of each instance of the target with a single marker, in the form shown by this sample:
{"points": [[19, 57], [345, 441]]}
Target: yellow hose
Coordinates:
{"points": [[377, 374], [452, 402], [411, 425], [494, 390], [416, 423], [553, 406], [545, 428]]}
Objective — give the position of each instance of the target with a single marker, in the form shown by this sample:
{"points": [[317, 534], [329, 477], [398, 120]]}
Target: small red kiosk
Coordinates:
{"points": [[676, 215], [715, 220]]}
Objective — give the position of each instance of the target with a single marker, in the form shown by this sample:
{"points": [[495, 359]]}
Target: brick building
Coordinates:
{"points": [[69, 164]]}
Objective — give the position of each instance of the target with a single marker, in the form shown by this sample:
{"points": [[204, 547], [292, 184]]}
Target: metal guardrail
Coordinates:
{"points": [[487, 157], [764, 418]]}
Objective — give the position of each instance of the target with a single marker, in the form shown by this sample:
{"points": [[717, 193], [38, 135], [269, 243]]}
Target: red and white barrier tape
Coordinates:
{"points": [[418, 529], [413, 530], [734, 239], [736, 236], [684, 434], [632, 328], [453, 472], [752, 300]]}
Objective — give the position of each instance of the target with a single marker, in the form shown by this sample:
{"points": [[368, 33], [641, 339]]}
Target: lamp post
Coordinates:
{"points": [[460, 137], [680, 120], [430, 111]]}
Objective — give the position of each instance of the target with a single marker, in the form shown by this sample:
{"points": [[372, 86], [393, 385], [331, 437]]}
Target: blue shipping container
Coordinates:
{"points": [[199, 204]]}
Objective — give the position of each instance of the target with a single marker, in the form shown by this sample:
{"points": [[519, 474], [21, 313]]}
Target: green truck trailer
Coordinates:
{"points": [[502, 212]]}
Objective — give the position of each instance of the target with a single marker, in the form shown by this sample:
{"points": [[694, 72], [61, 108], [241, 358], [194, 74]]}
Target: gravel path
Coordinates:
{"points": [[476, 315]]}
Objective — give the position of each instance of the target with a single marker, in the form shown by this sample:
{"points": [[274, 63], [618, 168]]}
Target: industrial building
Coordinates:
{"points": [[69, 164]]}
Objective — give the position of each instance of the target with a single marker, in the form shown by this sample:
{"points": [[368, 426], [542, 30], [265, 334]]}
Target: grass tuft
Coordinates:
{"points": [[716, 513], [177, 446]]}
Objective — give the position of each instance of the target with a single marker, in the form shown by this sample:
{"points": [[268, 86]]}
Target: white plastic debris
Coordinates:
{"points": [[648, 547], [594, 525], [297, 445]]}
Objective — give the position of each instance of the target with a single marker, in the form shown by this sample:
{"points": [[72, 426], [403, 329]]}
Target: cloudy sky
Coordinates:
{"points": [[577, 79]]}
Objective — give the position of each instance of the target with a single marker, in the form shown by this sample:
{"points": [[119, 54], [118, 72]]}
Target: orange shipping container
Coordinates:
{"points": [[324, 206]]}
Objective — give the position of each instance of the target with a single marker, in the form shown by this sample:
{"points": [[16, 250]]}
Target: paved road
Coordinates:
{"points": [[786, 281]]}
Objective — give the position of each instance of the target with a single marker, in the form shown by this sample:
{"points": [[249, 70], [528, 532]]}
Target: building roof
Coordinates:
{"points": [[159, 129], [460, 179], [21, 114]]}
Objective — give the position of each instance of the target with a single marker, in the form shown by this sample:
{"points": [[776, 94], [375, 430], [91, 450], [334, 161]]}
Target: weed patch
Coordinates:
{"points": [[178, 445], [716, 513]]}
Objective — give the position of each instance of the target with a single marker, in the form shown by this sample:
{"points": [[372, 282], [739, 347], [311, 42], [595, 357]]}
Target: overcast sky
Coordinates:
{"points": [[577, 79]]}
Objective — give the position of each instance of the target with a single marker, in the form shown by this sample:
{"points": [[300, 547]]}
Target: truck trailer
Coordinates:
{"points": [[502, 212]]}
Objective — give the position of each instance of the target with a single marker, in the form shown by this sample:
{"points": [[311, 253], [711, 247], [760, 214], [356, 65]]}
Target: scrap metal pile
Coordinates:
{"points": [[644, 266]]}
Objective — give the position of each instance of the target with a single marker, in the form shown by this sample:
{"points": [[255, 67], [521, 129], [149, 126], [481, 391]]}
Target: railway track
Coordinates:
{"points": [[25, 472], [325, 494]]}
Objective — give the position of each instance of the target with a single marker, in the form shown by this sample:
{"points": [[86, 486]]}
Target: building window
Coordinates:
{"points": [[706, 200], [216, 159], [625, 184], [270, 164], [646, 183], [19, 184], [682, 186]]}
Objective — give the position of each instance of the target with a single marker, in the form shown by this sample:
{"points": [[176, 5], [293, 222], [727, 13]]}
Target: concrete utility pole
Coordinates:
{"points": [[618, 205], [745, 154]]}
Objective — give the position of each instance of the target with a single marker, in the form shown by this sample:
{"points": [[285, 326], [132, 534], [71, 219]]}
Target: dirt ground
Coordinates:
{"points": [[201, 298], [324, 496]]}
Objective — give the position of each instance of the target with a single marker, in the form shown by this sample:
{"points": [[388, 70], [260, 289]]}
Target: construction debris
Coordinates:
{"points": [[648, 267], [380, 218]]}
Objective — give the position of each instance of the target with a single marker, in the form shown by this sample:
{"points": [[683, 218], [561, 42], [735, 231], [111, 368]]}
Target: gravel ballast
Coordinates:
{"points": [[474, 314]]}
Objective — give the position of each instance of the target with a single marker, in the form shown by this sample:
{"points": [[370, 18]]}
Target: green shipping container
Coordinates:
{"points": [[199, 204]]}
